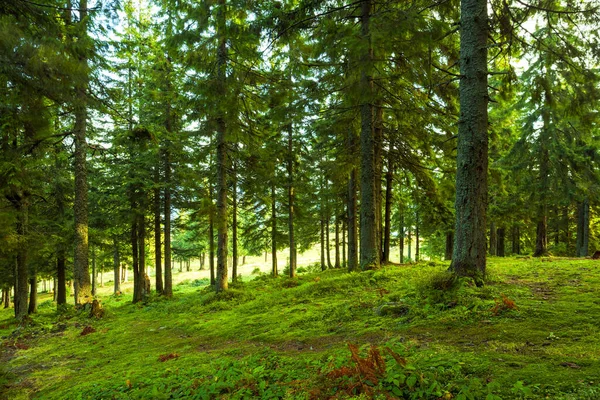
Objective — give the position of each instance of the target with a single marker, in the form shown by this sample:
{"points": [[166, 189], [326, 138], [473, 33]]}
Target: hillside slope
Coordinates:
{"points": [[532, 332]]}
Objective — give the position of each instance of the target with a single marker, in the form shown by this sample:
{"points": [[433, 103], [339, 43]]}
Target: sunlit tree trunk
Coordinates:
{"points": [[469, 256]]}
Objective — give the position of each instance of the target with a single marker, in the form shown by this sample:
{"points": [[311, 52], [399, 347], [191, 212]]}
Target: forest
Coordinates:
{"points": [[310, 199]]}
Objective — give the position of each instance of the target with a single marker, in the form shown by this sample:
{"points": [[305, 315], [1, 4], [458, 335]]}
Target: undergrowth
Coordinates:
{"points": [[412, 332]]}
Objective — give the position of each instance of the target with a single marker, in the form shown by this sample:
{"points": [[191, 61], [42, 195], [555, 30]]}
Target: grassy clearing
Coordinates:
{"points": [[531, 332]]}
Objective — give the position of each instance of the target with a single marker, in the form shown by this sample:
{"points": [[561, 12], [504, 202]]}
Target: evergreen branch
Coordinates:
{"points": [[549, 10]]}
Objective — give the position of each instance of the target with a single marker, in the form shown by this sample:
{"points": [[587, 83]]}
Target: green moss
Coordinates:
{"points": [[280, 338]]}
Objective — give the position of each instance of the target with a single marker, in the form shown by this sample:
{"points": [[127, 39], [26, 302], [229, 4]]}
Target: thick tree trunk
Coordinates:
{"points": [[61, 283], [116, 267], [449, 245], [144, 286], [222, 158], [157, 233], [493, 239], [500, 241], [388, 209], [469, 255], [273, 232], [291, 199], [369, 246], [567, 232], [234, 239], [81, 271]]}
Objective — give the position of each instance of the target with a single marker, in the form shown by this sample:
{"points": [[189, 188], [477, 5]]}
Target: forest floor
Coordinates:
{"points": [[533, 331]]}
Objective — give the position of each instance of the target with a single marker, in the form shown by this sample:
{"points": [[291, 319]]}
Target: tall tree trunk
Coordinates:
{"points": [[378, 159], [388, 208], [21, 261], [337, 242], [234, 239], [401, 244], [291, 199], [516, 240], [500, 241], [583, 228], [32, 309], [369, 247], [469, 255], [558, 225], [327, 243], [157, 233], [567, 232], [211, 241], [417, 241], [493, 239], [449, 245], [94, 272], [344, 244], [323, 266], [144, 292], [409, 243], [352, 223], [222, 158], [135, 259], [81, 271], [168, 286], [273, 231], [116, 266], [61, 282]]}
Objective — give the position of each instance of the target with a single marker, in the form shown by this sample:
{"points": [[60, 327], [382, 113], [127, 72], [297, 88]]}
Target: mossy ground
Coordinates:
{"points": [[277, 338]]}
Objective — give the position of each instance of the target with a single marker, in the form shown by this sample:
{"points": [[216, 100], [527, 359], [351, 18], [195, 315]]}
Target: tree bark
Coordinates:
{"points": [[516, 240], [291, 199], [32, 309], [323, 266], [417, 241], [116, 267], [337, 242], [500, 241], [21, 278], [401, 244], [388, 208], [234, 239], [449, 245], [493, 239], [378, 160], [344, 244], [469, 255], [369, 248], [273, 232], [352, 223], [81, 271], [157, 233], [327, 243], [94, 272], [211, 241], [583, 228], [222, 158], [61, 283], [168, 285]]}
